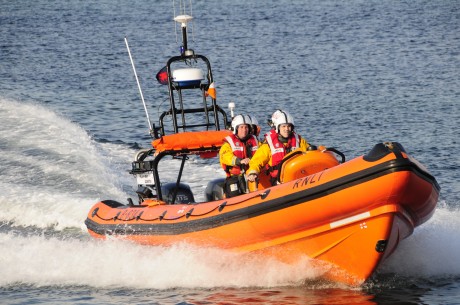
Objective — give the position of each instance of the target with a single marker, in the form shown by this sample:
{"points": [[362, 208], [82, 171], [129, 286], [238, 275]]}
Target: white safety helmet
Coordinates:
{"points": [[255, 125], [281, 117], [240, 120], [253, 120]]}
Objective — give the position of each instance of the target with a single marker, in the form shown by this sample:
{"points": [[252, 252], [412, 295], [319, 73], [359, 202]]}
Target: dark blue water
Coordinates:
{"points": [[352, 73]]}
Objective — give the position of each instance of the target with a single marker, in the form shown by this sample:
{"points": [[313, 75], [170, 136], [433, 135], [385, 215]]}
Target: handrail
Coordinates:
{"points": [[213, 113]]}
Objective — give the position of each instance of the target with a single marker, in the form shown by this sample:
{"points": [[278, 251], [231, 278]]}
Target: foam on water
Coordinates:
{"points": [[42, 261], [52, 171], [433, 248]]}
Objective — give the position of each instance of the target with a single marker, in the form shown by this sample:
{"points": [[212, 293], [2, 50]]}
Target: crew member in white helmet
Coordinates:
{"points": [[279, 142], [255, 128], [235, 154]]}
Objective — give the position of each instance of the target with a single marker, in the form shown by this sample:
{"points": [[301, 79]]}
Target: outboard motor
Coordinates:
{"points": [[215, 189], [183, 193]]}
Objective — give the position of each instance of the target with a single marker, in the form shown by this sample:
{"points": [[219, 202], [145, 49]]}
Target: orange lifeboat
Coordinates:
{"points": [[351, 215]]}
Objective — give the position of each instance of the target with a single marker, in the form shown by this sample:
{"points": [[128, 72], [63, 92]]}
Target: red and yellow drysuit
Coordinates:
{"points": [[233, 151], [272, 151]]}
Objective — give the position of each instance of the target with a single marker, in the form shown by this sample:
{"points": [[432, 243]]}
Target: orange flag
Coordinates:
{"points": [[212, 91]]}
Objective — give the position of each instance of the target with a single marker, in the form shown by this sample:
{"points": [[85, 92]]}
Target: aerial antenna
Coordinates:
{"points": [[183, 18], [193, 27], [139, 86]]}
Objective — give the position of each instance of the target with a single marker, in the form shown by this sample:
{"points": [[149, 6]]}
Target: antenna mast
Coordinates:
{"points": [[183, 18], [139, 86]]}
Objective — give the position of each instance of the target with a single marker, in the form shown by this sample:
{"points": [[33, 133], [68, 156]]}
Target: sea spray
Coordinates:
{"points": [[41, 260]]}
